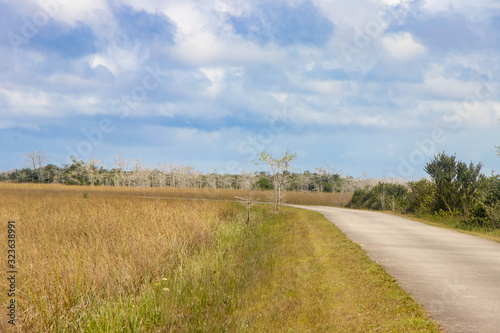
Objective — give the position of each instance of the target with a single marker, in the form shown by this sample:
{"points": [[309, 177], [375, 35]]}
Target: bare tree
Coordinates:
{"points": [[304, 181], [140, 174], [31, 160], [227, 181], [155, 177], [196, 179], [164, 169], [36, 161], [92, 168], [120, 165], [174, 171], [211, 179], [247, 182], [324, 174], [187, 176], [279, 170], [347, 185]]}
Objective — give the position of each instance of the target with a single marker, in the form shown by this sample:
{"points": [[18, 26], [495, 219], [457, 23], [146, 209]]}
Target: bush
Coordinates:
{"points": [[491, 206], [420, 197], [383, 196]]}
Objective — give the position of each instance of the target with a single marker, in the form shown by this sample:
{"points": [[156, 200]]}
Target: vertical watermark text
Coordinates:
{"points": [[11, 272]]}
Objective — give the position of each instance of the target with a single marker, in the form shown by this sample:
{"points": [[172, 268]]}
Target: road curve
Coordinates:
{"points": [[455, 276]]}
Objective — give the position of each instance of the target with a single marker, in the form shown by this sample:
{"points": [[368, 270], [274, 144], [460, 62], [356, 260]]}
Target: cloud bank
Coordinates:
{"points": [[355, 85]]}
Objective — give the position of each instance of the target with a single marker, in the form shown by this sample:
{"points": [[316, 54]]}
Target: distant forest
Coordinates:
{"points": [[135, 174]]}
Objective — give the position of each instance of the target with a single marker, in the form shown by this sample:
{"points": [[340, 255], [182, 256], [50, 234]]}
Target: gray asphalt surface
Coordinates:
{"points": [[455, 276]]}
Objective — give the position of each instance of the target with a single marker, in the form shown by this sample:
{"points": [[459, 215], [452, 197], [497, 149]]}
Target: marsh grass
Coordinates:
{"points": [[80, 255], [110, 261], [290, 197]]}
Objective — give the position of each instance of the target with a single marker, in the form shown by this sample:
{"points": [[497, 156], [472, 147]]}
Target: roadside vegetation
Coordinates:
{"points": [[104, 259], [456, 195]]}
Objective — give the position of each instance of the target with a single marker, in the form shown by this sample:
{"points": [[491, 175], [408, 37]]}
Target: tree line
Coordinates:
{"points": [[453, 188], [133, 173]]}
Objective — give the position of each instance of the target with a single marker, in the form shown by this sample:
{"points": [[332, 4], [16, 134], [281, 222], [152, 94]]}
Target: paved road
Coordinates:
{"points": [[456, 277]]}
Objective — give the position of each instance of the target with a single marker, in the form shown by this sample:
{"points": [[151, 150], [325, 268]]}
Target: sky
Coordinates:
{"points": [[364, 87]]}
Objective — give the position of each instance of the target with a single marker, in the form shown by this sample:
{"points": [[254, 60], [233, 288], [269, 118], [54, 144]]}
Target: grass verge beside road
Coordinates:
{"points": [[322, 282]]}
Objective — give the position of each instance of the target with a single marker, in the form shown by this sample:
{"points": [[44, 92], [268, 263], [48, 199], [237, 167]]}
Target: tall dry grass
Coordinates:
{"points": [[317, 198], [290, 197], [84, 253]]}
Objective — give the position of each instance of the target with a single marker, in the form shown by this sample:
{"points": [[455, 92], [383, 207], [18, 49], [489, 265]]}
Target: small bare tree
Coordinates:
{"points": [[36, 161], [92, 168], [121, 165], [247, 182], [279, 170], [304, 182], [140, 174], [211, 179]]}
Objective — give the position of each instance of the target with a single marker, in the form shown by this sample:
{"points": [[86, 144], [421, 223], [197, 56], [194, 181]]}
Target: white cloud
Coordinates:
{"points": [[88, 105], [118, 60], [70, 80], [181, 135], [347, 15], [204, 38], [25, 104], [341, 116], [207, 48], [464, 6], [496, 108], [451, 88], [396, 2], [402, 46], [22, 103], [232, 7], [71, 12], [5, 124], [187, 17], [476, 114], [280, 97], [217, 77], [324, 87]]}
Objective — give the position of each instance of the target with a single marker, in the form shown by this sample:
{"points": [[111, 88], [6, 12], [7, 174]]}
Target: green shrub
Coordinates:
{"points": [[383, 196], [420, 197]]}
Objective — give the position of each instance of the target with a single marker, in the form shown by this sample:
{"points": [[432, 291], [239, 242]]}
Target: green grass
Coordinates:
{"points": [[313, 279]]}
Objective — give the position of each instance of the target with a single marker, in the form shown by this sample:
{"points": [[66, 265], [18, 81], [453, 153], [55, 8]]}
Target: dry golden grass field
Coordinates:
{"points": [[96, 259], [291, 197]]}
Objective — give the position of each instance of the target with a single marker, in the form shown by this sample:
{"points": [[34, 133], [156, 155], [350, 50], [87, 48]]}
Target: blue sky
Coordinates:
{"points": [[361, 86]]}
